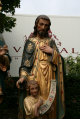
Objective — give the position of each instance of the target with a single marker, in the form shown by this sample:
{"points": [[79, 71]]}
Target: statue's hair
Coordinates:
{"points": [[32, 82], [36, 22]]}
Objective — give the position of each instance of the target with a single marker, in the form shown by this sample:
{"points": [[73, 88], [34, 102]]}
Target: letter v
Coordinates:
{"points": [[17, 50]]}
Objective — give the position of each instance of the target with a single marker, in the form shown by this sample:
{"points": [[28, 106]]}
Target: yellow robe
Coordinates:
{"points": [[43, 71], [29, 106]]}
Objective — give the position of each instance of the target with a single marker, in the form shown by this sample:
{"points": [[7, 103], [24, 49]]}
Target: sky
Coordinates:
{"points": [[49, 7]]}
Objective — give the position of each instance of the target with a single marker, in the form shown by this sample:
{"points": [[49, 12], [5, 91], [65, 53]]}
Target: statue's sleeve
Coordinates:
{"points": [[58, 60], [54, 57], [27, 59], [29, 106]]}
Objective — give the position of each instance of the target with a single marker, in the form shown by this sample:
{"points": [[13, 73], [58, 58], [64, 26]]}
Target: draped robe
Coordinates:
{"points": [[43, 67]]}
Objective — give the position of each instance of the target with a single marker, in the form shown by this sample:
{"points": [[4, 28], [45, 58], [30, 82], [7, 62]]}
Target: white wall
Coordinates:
{"points": [[66, 29]]}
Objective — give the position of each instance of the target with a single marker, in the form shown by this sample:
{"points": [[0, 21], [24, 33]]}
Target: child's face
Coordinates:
{"points": [[34, 90]]}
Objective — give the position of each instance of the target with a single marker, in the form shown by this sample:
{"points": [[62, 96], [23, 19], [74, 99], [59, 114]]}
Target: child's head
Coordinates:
{"points": [[33, 87]]}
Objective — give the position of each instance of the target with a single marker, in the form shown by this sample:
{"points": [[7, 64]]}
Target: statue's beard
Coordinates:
{"points": [[42, 34]]}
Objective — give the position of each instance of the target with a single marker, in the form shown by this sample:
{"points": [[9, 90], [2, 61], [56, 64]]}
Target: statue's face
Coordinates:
{"points": [[34, 90], [42, 27]]}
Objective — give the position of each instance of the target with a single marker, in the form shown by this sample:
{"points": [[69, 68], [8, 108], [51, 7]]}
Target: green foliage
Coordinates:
{"points": [[73, 66], [6, 22], [8, 6], [72, 87]]}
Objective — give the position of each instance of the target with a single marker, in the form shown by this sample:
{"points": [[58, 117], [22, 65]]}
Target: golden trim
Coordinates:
{"points": [[30, 46], [27, 63]]}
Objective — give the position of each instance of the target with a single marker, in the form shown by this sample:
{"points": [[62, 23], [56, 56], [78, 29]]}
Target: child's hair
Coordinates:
{"points": [[31, 82]]}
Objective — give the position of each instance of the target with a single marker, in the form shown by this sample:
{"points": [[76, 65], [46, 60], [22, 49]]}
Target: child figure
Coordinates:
{"points": [[33, 101]]}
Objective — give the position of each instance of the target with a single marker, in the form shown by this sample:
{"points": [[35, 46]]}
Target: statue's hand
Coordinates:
{"points": [[3, 50], [47, 49], [20, 81], [37, 105], [3, 68]]}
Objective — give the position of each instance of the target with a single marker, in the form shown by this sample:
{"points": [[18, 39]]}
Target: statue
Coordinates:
{"points": [[4, 65], [42, 62]]}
